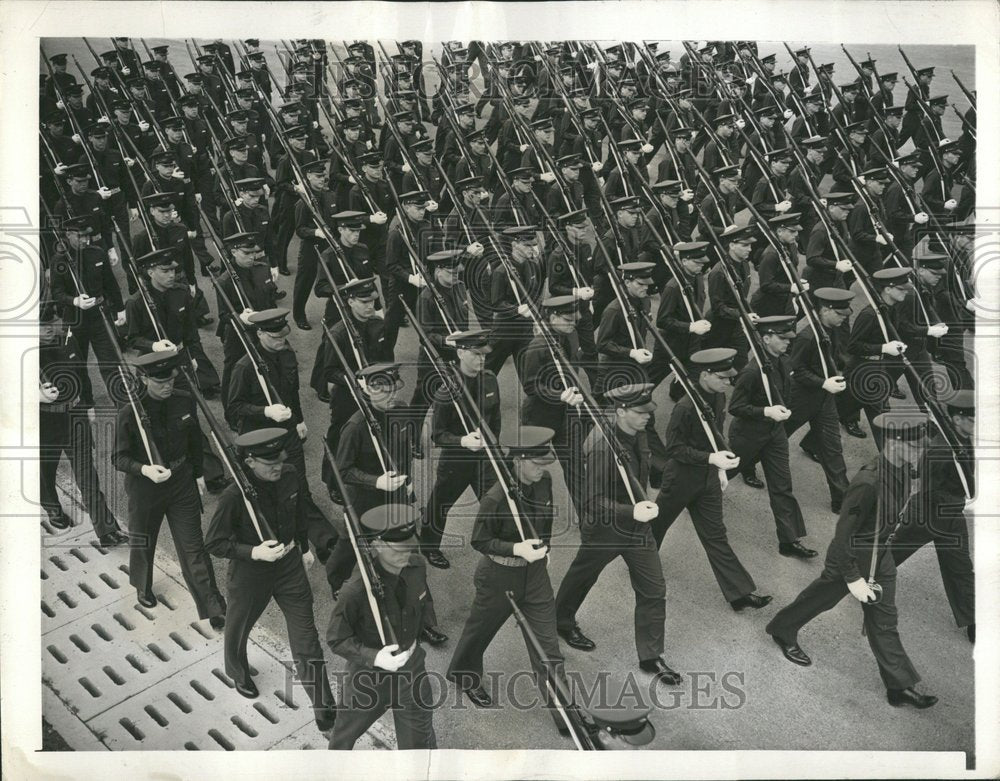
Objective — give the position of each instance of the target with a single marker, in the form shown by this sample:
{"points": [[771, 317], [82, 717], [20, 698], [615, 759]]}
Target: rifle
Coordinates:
{"points": [[968, 95]]}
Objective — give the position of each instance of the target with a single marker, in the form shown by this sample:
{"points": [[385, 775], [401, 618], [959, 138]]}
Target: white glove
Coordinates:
{"points": [[753, 317], [60, 105], [527, 550], [783, 206], [129, 161], [597, 165], [389, 481], [60, 168], [308, 559], [937, 330], [724, 459], [835, 384], [777, 412], [644, 512], [300, 189], [133, 214], [971, 305], [143, 125], [238, 201], [47, 393], [700, 327], [193, 290], [416, 280], [523, 310], [646, 148], [120, 318], [450, 338], [76, 138], [178, 174], [475, 249], [894, 347], [318, 234], [862, 180], [197, 198], [126, 71], [269, 550], [547, 176], [880, 239], [803, 286], [572, 397], [378, 218], [406, 168], [432, 206], [279, 413], [202, 488], [163, 345], [861, 590], [921, 218], [156, 473], [192, 235], [687, 195], [245, 315], [951, 204], [352, 180], [523, 147], [267, 191], [741, 123], [274, 273], [583, 293], [315, 125], [640, 355], [843, 265], [302, 430], [788, 113], [388, 659], [84, 302], [472, 441]]}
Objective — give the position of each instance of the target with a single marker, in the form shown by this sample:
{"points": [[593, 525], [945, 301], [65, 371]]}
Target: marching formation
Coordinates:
{"points": [[777, 248]]}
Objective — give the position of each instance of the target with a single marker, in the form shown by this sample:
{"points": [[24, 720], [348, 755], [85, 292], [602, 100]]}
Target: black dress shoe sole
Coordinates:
{"points": [[739, 608], [588, 645], [250, 692], [438, 561], [857, 433], [804, 662], [147, 602], [929, 702], [217, 622], [303, 325], [754, 482], [478, 701], [796, 554]]}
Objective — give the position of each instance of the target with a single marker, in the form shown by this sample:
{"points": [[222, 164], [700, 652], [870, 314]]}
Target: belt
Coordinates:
{"points": [[508, 561]]}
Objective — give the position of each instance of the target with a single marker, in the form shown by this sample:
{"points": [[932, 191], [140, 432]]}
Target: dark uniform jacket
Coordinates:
{"points": [[685, 439], [822, 255], [446, 425], [495, 532], [92, 269], [245, 400], [749, 399], [774, 293], [607, 504], [173, 430], [456, 308], [359, 463], [175, 313]]}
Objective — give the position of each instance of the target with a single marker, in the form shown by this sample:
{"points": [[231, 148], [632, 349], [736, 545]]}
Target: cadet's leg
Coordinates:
{"points": [[674, 496], [490, 611], [646, 573], [366, 696], [881, 628], [414, 718], [81, 457], [249, 588], [706, 514], [819, 596], [537, 603], [788, 518], [831, 449], [146, 509], [453, 477], [588, 564]]}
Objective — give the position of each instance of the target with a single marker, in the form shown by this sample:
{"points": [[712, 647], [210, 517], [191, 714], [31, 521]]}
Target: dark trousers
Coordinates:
{"points": [[767, 443], [505, 344], [62, 433], [251, 586], [819, 410], [92, 334], [394, 312], [322, 535], [305, 278], [178, 500], [342, 407], [455, 473], [284, 225], [950, 353], [868, 388], [532, 591], [948, 531], [700, 493], [599, 547], [369, 693], [880, 621]]}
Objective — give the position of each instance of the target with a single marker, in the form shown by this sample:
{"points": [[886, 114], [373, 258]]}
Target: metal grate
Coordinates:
{"points": [[72, 568]]}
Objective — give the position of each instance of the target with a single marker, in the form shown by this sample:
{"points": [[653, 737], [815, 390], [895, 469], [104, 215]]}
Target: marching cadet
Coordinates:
{"points": [[79, 201], [252, 277], [872, 372], [817, 387], [943, 500], [726, 328], [575, 277], [514, 561], [631, 249], [622, 184], [715, 216], [900, 219], [426, 172], [251, 212], [616, 522], [286, 190], [61, 429], [522, 209], [400, 276], [917, 323], [551, 399], [263, 567], [673, 216], [938, 185], [774, 294], [388, 673], [859, 562], [447, 267], [168, 434], [376, 188], [111, 166], [694, 472], [312, 239], [916, 94], [621, 336], [824, 265], [851, 159], [803, 177], [866, 240], [461, 463], [681, 138], [82, 284], [883, 139], [757, 434]]}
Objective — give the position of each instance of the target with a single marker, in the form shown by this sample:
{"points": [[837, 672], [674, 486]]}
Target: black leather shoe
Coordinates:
{"points": [[970, 632], [146, 600], [60, 522], [576, 639], [756, 601], [211, 392], [835, 506], [796, 549], [217, 622], [478, 696], [303, 325], [284, 272], [279, 294], [323, 396], [432, 636], [205, 320], [217, 484], [793, 652], [661, 671], [335, 496], [920, 701], [436, 559], [248, 690], [811, 453], [326, 719], [855, 431], [753, 481], [896, 393], [113, 539]]}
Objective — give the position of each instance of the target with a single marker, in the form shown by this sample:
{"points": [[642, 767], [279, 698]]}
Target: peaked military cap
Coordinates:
{"points": [[841, 199], [934, 261], [159, 200], [727, 172], [815, 142], [962, 402], [263, 443], [446, 258], [241, 241], [637, 397], [628, 724], [474, 339], [902, 426], [351, 219], [691, 250], [390, 522], [789, 221], [891, 277], [744, 235], [718, 360], [250, 184], [783, 325], [835, 297], [570, 161], [521, 233], [315, 166], [159, 257], [560, 305], [911, 159], [575, 217], [271, 320], [58, 59], [381, 376], [363, 289], [640, 270], [415, 196], [628, 203], [158, 365], [879, 174], [668, 187], [534, 442]]}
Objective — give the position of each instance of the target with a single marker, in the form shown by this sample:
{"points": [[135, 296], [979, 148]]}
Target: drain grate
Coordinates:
{"points": [[197, 709], [100, 659], [79, 578]]}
